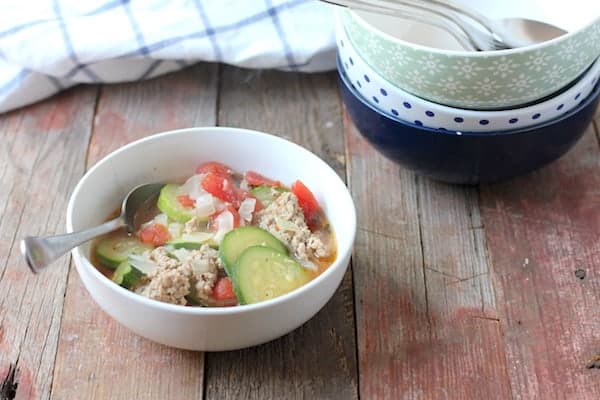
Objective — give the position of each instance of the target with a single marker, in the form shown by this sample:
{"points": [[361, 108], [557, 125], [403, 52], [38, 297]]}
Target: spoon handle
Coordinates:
{"points": [[41, 251]]}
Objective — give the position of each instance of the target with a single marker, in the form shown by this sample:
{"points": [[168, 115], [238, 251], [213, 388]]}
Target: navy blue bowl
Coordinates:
{"points": [[467, 157]]}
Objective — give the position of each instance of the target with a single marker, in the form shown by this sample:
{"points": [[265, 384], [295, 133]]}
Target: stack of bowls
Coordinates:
{"points": [[462, 116]]}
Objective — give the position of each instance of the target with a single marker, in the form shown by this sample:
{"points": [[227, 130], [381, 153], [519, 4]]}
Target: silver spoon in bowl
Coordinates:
{"points": [[491, 34], [512, 32], [39, 252]]}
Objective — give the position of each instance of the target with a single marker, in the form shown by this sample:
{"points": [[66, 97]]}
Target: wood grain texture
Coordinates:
{"points": [[316, 361], [98, 358], [42, 155], [545, 231], [426, 315]]}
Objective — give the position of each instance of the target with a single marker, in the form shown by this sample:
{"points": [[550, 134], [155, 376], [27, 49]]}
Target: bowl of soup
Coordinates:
{"points": [[248, 239]]}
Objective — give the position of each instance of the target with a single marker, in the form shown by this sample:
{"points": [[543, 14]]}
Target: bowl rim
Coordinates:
{"points": [[465, 53], [582, 104], [590, 73], [344, 252]]}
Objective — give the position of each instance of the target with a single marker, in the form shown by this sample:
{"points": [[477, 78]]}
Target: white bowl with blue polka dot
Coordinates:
{"points": [[392, 100]]}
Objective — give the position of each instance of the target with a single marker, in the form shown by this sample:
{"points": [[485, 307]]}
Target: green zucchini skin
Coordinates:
{"points": [[193, 241], [127, 275], [115, 249], [168, 204], [262, 273], [236, 241], [264, 194]]}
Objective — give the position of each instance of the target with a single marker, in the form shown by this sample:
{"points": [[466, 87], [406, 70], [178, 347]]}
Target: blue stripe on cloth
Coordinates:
{"points": [[69, 45], [209, 30], [105, 7], [14, 82], [139, 37], [55, 82], [150, 70], [19, 28], [286, 46], [201, 34]]}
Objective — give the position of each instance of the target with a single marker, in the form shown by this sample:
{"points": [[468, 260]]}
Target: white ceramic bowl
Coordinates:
{"points": [[395, 101], [173, 155]]}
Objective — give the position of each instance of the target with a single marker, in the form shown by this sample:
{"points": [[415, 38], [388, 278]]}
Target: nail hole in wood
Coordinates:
{"points": [[8, 388], [594, 362]]}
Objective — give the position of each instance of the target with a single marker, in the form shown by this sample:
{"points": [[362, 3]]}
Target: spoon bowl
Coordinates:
{"points": [[39, 252], [525, 32]]}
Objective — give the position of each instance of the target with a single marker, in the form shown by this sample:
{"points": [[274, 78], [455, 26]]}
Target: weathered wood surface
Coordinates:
{"points": [[98, 358], [544, 236], [42, 155], [454, 292], [426, 314]]}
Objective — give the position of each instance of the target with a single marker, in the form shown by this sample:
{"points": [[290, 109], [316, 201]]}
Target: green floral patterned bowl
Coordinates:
{"points": [[429, 64]]}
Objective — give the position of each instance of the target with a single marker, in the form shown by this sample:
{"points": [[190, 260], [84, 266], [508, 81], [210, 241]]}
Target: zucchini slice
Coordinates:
{"points": [[168, 204], [127, 275], [262, 273], [115, 249]]}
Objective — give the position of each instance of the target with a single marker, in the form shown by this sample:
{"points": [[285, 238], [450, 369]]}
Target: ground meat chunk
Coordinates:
{"points": [[162, 259], [285, 220], [170, 281], [205, 264], [204, 285]]}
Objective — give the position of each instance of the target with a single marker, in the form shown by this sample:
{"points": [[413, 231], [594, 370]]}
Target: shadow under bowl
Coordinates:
{"points": [[467, 157]]}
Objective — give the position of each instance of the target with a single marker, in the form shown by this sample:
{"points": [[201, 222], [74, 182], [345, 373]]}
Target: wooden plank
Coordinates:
{"points": [[42, 155], [545, 230], [426, 319], [98, 358], [318, 359]]}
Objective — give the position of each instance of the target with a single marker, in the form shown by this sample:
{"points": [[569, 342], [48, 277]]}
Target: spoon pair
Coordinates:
{"points": [[39, 252], [496, 34]]}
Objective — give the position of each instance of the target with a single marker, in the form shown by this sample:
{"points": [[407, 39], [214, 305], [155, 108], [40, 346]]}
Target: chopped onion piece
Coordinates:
{"points": [[244, 185], [247, 208], [219, 204], [193, 186], [308, 264], [200, 265], [161, 219], [181, 254], [224, 223], [142, 262], [205, 205], [175, 229]]}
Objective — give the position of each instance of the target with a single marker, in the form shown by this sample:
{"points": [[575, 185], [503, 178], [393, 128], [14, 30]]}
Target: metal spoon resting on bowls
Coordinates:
{"points": [[481, 33], [39, 252]]}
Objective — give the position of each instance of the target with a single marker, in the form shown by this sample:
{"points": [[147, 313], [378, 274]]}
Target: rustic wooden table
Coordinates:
{"points": [[454, 292]]}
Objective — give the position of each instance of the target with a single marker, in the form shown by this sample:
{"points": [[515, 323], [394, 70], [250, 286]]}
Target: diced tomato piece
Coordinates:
{"points": [[313, 214], [214, 167], [256, 179], [220, 186], [232, 210], [223, 289], [186, 201], [155, 234]]}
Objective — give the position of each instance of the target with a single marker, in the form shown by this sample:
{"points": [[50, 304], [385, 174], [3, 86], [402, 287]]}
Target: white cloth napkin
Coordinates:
{"points": [[50, 45]]}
